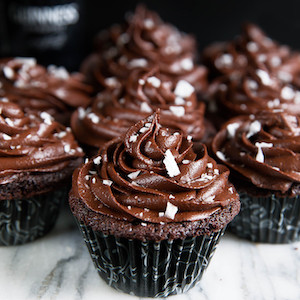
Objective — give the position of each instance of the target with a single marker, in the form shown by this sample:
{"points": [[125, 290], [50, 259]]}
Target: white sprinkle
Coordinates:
{"points": [[141, 81], [170, 163], [8, 72], [46, 117], [133, 138], [216, 172], [129, 207], [186, 161], [143, 224], [4, 99], [179, 101], [107, 182], [6, 137], [275, 61], [264, 77], [231, 129], [274, 103], [93, 180], [260, 155], [87, 177], [29, 61], [171, 196], [231, 190], [285, 76], [183, 89], [61, 134], [209, 199], [297, 98], [97, 160], [145, 107], [148, 23], [262, 58], [252, 47], [189, 138], [148, 125], [9, 122], [67, 148], [170, 211], [138, 63], [187, 64], [58, 72], [143, 129], [287, 93], [154, 81], [221, 155], [161, 214], [123, 39], [276, 168], [178, 111], [209, 165], [94, 118], [254, 128], [134, 175], [253, 85], [81, 113], [224, 60], [122, 100], [86, 160], [112, 82], [18, 147]]}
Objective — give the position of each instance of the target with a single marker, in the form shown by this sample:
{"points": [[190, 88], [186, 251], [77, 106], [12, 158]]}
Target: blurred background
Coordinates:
{"points": [[61, 31]]}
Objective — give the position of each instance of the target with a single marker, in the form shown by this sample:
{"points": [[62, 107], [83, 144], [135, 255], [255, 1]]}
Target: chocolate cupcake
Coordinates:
{"points": [[37, 89], [152, 208], [113, 112], [263, 155], [37, 158], [144, 41]]}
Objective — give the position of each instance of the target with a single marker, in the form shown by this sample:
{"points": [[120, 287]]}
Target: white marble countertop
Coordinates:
{"points": [[58, 267]]}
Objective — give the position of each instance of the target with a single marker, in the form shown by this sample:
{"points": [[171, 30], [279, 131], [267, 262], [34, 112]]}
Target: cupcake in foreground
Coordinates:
{"points": [[37, 89], [152, 208], [113, 112], [37, 158], [263, 155], [144, 41]]}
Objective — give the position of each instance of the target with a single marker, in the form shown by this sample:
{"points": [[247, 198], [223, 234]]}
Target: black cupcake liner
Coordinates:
{"points": [[268, 219], [25, 220], [150, 269]]}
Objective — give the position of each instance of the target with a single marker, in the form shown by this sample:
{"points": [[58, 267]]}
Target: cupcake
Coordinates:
{"points": [[37, 89], [262, 153], [152, 208], [144, 41], [113, 112], [252, 46], [37, 158]]}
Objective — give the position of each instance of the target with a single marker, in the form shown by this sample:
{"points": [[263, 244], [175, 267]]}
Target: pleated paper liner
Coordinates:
{"points": [[150, 269], [25, 220], [268, 219]]}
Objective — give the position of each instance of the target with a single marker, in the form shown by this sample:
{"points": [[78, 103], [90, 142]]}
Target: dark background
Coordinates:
{"points": [[211, 20]]}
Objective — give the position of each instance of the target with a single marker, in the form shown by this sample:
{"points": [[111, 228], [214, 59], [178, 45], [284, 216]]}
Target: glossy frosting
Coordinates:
{"points": [[38, 89], [32, 144], [263, 149], [113, 112], [153, 174], [253, 47], [144, 41]]}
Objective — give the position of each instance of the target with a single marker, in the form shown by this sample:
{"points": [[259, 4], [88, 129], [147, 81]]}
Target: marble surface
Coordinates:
{"points": [[58, 267]]}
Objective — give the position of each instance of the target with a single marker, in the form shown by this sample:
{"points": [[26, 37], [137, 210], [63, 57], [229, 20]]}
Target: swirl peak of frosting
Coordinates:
{"points": [[144, 92], [153, 174], [264, 149], [143, 42], [32, 143]]}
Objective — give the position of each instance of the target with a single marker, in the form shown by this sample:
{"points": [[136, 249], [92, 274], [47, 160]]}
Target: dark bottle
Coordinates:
{"points": [[50, 30]]}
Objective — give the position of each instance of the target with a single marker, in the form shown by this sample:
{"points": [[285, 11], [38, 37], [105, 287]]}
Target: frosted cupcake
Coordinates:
{"points": [[152, 208]]}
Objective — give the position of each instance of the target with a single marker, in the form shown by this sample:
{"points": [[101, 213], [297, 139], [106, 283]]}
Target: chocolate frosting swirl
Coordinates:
{"points": [[113, 112], [37, 89], [257, 90], [264, 149], [254, 48], [144, 41], [153, 174], [32, 144]]}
